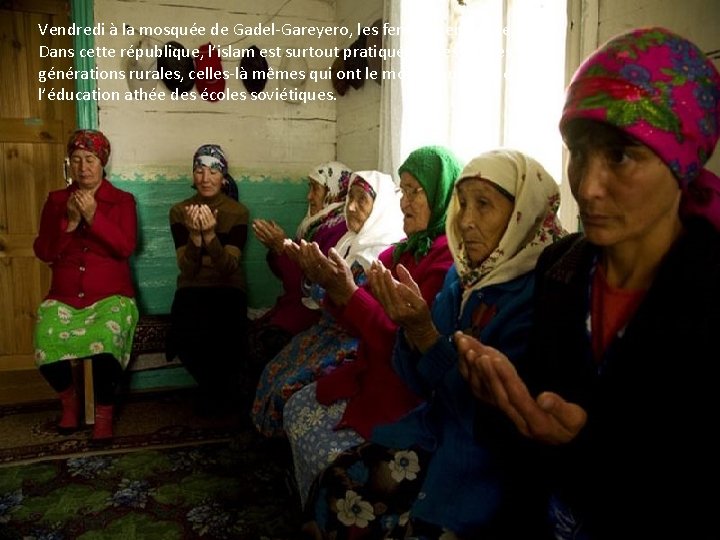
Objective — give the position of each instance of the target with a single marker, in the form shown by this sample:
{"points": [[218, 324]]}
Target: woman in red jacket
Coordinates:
{"points": [[87, 233]]}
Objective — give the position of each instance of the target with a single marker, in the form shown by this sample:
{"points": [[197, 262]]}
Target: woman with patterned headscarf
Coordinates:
{"points": [[621, 379], [340, 410], [374, 222], [324, 223], [426, 473], [209, 311], [88, 232]]}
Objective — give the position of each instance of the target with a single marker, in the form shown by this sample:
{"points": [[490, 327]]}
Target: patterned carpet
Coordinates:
{"points": [[169, 474]]}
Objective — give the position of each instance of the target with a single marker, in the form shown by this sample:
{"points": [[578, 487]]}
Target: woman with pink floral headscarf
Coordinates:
{"points": [[621, 386]]}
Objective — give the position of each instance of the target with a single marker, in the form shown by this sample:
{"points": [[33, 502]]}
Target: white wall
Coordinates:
{"points": [[273, 138], [358, 111]]}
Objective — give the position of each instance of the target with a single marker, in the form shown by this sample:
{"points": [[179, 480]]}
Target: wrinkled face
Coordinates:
{"points": [[86, 169], [208, 181], [623, 190], [316, 196], [358, 207], [483, 218], [414, 205]]}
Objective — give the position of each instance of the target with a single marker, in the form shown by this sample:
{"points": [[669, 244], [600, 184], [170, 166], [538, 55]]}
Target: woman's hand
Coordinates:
{"points": [[270, 234], [192, 223], [207, 221], [86, 205], [404, 304], [331, 272], [493, 379], [73, 214]]}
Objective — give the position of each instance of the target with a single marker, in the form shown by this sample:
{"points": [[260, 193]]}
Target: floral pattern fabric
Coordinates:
{"points": [[308, 355], [63, 332], [309, 428], [662, 90], [367, 494]]}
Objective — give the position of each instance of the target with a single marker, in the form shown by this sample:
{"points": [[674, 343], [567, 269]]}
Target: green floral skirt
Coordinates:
{"points": [[63, 332]]}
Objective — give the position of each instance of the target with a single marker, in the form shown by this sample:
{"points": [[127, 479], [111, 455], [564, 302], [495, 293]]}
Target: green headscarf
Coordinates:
{"points": [[436, 168]]}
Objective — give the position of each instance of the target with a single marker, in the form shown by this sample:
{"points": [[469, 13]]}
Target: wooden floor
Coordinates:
{"points": [[23, 386]]}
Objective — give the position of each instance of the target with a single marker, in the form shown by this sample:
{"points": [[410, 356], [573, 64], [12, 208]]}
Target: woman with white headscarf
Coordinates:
{"points": [[324, 223], [430, 472], [374, 221]]}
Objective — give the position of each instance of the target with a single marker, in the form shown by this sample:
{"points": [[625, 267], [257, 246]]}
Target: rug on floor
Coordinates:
{"points": [[28, 432], [233, 489]]}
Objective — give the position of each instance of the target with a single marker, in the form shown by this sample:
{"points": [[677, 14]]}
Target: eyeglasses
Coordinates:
{"points": [[410, 193]]}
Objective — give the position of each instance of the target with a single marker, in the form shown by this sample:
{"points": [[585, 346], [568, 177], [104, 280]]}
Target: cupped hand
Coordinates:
{"points": [[73, 213], [331, 272], [403, 303], [493, 379], [86, 204], [270, 234], [207, 218]]}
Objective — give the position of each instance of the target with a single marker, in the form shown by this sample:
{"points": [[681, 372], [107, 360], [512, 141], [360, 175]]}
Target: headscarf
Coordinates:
{"points": [[92, 141], [335, 176], [662, 90], [435, 168], [383, 227], [533, 223], [212, 156]]}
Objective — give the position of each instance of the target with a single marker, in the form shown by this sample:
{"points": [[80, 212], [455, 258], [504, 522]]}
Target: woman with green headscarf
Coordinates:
{"points": [[340, 410]]}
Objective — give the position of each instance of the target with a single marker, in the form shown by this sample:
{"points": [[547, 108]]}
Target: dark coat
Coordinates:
{"points": [[646, 463]]}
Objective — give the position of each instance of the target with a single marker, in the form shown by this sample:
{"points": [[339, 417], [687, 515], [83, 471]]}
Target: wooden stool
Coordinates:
{"points": [[88, 391]]}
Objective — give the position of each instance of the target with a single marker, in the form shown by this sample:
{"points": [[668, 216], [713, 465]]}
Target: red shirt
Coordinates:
{"points": [[91, 262]]}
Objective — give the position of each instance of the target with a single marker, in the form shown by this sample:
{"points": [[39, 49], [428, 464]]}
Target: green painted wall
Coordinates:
{"points": [[154, 266]]}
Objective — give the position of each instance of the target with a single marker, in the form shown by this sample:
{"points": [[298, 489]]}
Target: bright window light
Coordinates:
{"points": [[504, 78]]}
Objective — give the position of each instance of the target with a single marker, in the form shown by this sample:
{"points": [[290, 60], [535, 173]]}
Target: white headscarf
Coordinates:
{"points": [[382, 228], [335, 176], [533, 224]]}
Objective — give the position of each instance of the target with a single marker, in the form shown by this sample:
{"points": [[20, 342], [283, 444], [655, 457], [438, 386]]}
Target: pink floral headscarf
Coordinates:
{"points": [[662, 90]]}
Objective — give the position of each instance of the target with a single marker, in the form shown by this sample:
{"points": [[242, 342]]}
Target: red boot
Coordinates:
{"points": [[102, 430], [70, 411]]}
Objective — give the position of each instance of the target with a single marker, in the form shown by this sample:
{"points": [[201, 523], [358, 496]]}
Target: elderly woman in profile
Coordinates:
{"points": [[209, 310], [374, 222], [324, 223], [340, 410], [437, 470], [88, 232], [620, 390]]}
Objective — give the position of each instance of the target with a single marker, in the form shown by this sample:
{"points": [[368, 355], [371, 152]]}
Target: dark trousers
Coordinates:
{"points": [[209, 335], [107, 373]]}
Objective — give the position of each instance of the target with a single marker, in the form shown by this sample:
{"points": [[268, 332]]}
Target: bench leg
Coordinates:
{"points": [[89, 392]]}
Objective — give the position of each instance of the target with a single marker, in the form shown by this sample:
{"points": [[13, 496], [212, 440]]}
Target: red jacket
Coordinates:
{"points": [[376, 394], [90, 263]]}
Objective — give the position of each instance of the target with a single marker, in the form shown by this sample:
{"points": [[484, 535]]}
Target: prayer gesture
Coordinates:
{"points": [[404, 304], [494, 380], [331, 272], [270, 234]]}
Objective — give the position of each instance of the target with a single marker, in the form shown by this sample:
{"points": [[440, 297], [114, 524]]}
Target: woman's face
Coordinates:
{"points": [[86, 169], [208, 181], [483, 217], [316, 196], [625, 193], [358, 208], [414, 205]]}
